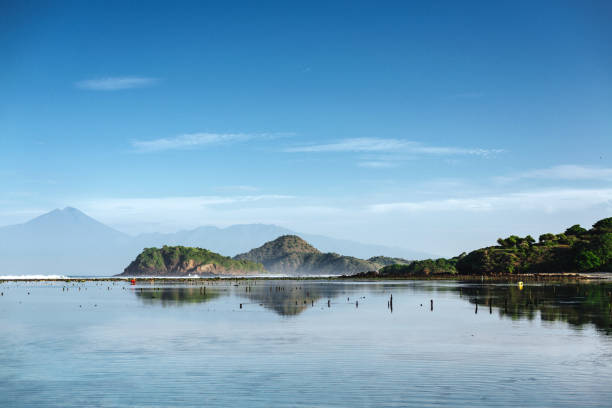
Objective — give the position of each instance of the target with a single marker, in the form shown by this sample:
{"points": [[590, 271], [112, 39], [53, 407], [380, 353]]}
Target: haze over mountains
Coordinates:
{"points": [[69, 242]]}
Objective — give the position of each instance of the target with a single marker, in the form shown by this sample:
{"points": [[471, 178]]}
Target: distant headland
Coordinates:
{"points": [[288, 255], [185, 261]]}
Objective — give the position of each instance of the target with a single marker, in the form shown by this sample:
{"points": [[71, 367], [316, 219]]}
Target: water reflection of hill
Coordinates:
{"points": [[289, 299], [576, 304], [175, 296]]}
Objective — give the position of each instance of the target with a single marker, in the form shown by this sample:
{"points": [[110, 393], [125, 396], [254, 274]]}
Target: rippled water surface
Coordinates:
{"points": [[304, 343]]}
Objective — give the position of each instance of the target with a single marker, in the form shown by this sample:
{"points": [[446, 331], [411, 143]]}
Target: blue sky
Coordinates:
{"points": [[436, 126]]}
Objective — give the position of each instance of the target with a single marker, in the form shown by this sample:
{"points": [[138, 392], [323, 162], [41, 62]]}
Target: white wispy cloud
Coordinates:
{"points": [[372, 144], [547, 200], [564, 172], [377, 164], [115, 83], [188, 141], [383, 160], [199, 140]]}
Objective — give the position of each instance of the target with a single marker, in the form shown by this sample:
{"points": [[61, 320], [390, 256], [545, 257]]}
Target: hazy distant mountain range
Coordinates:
{"points": [[69, 242]]}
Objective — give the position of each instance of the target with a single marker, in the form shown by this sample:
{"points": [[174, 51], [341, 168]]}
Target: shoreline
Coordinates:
{"points": [[599, 276]]}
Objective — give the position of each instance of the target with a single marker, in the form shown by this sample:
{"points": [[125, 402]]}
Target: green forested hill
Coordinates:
{"points": [[574, 250], [290, 254], [180, 260]]}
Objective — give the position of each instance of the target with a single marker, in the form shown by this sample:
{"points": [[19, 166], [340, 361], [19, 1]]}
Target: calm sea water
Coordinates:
{"points": [[191, 344]]}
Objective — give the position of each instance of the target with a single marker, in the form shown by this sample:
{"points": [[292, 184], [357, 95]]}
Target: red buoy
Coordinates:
{"points": [[133, 281]]}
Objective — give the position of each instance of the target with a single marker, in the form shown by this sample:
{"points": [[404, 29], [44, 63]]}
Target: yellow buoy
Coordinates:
{"points": [[520, 285]]}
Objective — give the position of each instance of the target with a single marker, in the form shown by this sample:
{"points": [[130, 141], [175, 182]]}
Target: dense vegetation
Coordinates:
{"points": [[421, 268], [575, 250], [180, 260]]}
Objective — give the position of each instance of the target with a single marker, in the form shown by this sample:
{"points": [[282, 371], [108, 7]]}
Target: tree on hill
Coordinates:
{"points": [[548, 237], [595, 254], [514, 241], [575, 229], [604, 225]]}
